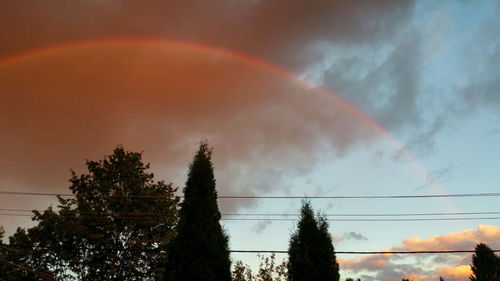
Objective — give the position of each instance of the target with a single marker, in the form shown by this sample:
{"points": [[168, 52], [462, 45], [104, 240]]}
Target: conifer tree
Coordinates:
{"points": [[311, 253], [485, 264], [200, 249]]}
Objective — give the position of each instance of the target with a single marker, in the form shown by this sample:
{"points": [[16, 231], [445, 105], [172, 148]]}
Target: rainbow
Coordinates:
{"points": [[243, 58]]}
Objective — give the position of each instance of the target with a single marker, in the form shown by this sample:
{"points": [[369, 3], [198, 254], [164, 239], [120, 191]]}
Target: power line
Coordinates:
{"points": [[366, 252], [337, 252], [489, 194], [269, 219], [365, 214], [295, 215], [372, 220]]}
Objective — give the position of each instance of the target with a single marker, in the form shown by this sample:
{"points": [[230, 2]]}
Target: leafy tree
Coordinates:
{"points": [[311, 253], [485, 264], [268, 270], [242, 272], [19, 260], [116, 227], [200, 249]]}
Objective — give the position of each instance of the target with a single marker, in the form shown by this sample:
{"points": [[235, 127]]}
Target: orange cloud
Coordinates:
{"points": [[465, 240], [450, 267], [368, 262], [62, 108], [457, 273]]}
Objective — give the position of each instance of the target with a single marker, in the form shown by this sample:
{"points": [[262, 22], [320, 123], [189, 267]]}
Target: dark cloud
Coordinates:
{"points": [[260, 226], [348, 236], [438, 176], [279, 31], [481, 88], [353, 236], [482, 91], [76, 108], [384, 83], [163, 100]]}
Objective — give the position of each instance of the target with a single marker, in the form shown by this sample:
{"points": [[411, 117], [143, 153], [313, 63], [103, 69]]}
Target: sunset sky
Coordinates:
{"points": [[297, 98]]}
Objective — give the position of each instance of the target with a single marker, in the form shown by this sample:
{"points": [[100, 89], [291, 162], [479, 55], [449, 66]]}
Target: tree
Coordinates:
{"points": [[200, 249], [268, 270], [311, 253], [116, 227], [485, 264]]}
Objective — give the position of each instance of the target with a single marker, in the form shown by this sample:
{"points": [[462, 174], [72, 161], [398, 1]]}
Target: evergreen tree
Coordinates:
{"points": [[200, 249], [311, 253], [485, 264]]}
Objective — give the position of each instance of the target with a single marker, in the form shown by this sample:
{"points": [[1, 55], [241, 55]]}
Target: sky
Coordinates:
{"points": [[297, 98]]}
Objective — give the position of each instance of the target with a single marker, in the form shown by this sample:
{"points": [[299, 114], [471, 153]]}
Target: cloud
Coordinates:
{"points": [[428, 267], [383, 82], [466, 239], [336, 238], [461, 272], [479, 91], [59, 118], [373, 54], [348, 236], [163, 100], [440, 175], [369, 263], [354, 236], [259, 28], [261, 226]]}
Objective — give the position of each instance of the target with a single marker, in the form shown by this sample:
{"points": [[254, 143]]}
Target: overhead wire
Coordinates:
{"points": [[337, 252], [264, 219], [488, 194], [292, 214]]}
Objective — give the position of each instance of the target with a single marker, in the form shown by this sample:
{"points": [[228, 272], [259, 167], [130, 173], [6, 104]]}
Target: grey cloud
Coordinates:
{"points": [[483, 91], [438, 176], [353, 236], [384, 83], [260, 226], [423, 141]]}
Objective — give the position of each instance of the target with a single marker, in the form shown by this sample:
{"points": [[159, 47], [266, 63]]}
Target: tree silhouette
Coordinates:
{"points": [[116, 227], [269, 270], [311, 253], [485, 264], [200, 249]]}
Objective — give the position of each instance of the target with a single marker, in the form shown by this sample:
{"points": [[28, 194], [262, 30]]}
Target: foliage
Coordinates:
{"points": [[200, 249], [485, 264], [116, 227], [311, 253], [268, 270]]}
